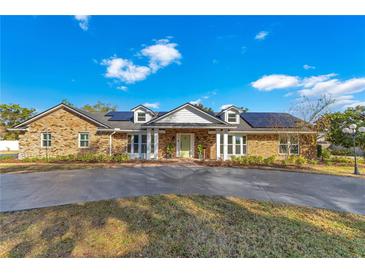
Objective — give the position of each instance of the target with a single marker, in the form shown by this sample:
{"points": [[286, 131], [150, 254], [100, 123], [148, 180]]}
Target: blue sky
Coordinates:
{"points": [[263, 63]]}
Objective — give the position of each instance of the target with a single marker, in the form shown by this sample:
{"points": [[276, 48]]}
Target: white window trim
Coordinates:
{"points": [[45, 132], [288, 145], [138, 154], [145, 117], [237, 121], [234, 145], [88, 139]]}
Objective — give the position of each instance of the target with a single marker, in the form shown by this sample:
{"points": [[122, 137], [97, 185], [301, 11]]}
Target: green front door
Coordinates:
{"points": [[185, 145]]}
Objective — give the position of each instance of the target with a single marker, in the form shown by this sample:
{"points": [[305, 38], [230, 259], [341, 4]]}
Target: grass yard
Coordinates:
{"points": [[40, 167], [19, 167], [181, 226], [347, 170]]}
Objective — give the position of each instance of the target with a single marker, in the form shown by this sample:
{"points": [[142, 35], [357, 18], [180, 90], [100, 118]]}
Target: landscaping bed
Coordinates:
{"points": [[181, 226]]}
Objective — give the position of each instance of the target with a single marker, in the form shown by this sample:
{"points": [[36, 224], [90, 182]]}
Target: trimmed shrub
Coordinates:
{"points": [[7, 157], [326, 154], [312, 162], [170, 150], [270, 160], [342, 152], [200, 149], [123, 157], [300, 160]]}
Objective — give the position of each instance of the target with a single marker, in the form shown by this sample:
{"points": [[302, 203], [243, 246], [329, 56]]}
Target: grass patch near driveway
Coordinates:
{"points": [[41, 167], [181, 226], [19, 167]]}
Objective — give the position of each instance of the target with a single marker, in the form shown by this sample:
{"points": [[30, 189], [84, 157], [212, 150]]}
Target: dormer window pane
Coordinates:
{"points": [[232, 118], [141, 117]]}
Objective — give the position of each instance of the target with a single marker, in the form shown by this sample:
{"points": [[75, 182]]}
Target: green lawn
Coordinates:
{"points": [[19, 167], [181, 226]]}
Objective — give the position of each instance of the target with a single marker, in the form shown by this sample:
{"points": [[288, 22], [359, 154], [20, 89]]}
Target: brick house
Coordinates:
{"points": [[146, 134]]}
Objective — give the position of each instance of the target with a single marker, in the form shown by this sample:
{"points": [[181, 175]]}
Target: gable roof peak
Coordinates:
{"points": [[144, 107], [230, 107], [185, 105]]}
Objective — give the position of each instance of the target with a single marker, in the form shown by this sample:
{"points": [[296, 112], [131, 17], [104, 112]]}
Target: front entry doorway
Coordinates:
{"points": [[185, 144]]}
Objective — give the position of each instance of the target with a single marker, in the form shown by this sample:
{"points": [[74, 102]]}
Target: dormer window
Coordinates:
{"points": [[232, 118], [141, 117]]}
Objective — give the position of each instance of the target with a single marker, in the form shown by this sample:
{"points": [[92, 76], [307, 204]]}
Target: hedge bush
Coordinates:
{"points": [[84, 157]]}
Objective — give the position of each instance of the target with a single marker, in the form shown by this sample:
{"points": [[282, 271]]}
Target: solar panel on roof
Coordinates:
{"points": [[120, 115], [266, 120], [111, 113]]}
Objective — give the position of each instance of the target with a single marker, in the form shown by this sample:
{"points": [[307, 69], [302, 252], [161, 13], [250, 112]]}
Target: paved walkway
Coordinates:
{"points": [[42, 189]]}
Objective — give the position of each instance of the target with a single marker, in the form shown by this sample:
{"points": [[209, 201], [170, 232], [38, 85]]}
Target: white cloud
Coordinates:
{"points": [[355, 104], [342, 91], [289, 94], [122, 88], [159, 55], [312, 80], [196, 102], [162, 54], [226, 106], [125, 70], [261, 35], [83, 21], [275, 81], [152, 105], [307, 67], [335, 87]]}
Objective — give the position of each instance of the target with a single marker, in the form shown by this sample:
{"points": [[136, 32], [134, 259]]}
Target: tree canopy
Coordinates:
{"points": [[204, 108], [99, 107], [10, 116], [333, 123]]}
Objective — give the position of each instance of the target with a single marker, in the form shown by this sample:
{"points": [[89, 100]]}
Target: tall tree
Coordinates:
{"points": [[99, 107], [243, 109], [333, 123], [67, 102], [204, 108], [311, 109], [10, 116]]}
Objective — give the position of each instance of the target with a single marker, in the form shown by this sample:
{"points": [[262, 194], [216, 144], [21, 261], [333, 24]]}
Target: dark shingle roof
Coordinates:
{"points": [[270, 120]]}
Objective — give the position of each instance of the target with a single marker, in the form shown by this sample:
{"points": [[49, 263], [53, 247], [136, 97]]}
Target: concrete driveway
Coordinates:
{"points": [[33, 190]]}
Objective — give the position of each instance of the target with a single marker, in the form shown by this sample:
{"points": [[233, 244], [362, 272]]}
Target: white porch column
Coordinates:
{"points": [[218, 144], [155, 149], [139, 146], [148, 152], [225, 145]]}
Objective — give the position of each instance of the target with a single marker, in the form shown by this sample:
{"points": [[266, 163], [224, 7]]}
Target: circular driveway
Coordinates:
{"points": [[33, 190]]}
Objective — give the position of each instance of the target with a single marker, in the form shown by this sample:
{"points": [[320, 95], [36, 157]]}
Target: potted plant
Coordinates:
{"points": [[170, 150], [200, 151]]}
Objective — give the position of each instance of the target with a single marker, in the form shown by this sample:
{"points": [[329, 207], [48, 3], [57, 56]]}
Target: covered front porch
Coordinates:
{"points": [[157, 143]]}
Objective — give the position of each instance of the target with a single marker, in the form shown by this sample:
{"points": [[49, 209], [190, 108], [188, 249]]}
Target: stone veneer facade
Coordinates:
{"points": [[267, 145], [66, 126]]}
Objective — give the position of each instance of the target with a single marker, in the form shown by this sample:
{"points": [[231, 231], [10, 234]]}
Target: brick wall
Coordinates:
{"points": [[264, 145], [267, 145], [64, 127]]}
